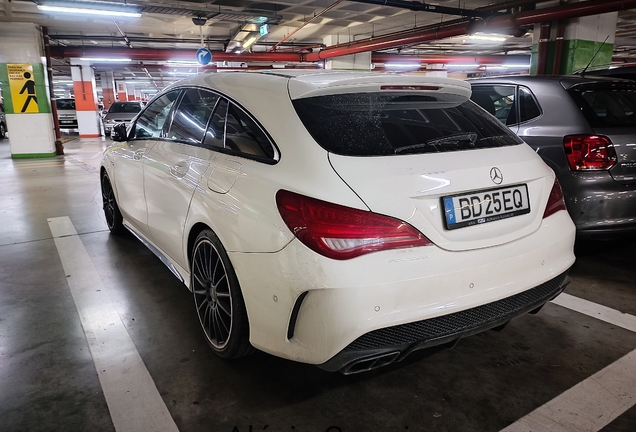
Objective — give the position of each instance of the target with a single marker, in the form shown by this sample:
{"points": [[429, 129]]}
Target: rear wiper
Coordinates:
{"points": [[469, 136]]}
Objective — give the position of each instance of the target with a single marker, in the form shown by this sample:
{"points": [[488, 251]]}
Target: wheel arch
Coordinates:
{"points": [[195, 230]]}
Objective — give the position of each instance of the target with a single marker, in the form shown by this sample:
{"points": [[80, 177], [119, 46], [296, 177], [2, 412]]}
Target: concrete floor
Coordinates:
{"points": [[48, 381]]}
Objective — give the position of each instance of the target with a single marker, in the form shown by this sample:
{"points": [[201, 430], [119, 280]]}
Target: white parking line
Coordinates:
{"points": [[597, 311], [595, 402], [132, 397], [588, 406]]}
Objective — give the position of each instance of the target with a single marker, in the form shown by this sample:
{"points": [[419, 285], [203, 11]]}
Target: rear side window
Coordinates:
{"points": [[150, 123], [244, 136], [191, 117], [605, 105], [232, 130], [528, 107], [378, 124]]}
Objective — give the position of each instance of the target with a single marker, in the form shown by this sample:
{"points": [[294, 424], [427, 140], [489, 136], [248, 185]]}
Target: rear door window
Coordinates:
{"points": [[606, 105], [191, 117], [375, 124]]}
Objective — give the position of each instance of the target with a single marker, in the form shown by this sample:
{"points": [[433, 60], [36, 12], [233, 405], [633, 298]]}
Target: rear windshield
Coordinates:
{"points": [[606, 105], [119, 107], [65, 104], [379, 124]]}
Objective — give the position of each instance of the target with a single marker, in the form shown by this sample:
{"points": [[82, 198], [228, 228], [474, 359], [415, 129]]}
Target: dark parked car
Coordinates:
{"points": [[627, 71], [585, 129], [3, 122]]}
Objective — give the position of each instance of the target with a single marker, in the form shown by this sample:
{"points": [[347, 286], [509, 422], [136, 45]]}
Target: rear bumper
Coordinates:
{"points": [[384, 346], [308, 308], [599, 206]]}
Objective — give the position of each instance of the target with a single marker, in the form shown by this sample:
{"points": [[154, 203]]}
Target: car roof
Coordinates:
{"points": [[308, 83], [567, 81]]}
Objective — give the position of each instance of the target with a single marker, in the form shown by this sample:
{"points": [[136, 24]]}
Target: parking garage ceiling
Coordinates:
{"points": [[294, 26]]}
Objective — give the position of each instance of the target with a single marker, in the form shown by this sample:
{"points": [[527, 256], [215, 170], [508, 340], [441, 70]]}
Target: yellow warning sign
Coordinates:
{"points": [[22, 87]]}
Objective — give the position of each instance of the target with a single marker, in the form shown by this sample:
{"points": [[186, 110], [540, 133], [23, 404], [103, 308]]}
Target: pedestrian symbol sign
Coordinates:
{"points": [[22, 88]]}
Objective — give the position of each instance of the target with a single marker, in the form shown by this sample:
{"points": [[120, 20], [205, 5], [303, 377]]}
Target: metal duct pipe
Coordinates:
{"points": [[544, 45]]}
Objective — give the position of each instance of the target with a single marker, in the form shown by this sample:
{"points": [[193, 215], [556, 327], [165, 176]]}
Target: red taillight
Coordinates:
{"points": [[555, 201], [340, 232], [589, 152]]}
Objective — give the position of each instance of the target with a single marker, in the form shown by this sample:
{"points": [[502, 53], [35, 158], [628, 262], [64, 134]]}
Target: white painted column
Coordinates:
{"points": [[361, 61], [85, 98], [25, 91]]}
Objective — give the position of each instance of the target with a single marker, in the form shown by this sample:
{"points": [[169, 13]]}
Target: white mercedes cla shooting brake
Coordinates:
{"points": [[340, 219]]}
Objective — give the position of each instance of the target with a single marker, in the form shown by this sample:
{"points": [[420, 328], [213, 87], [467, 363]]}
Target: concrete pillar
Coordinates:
{"points": [[108, 88], [122, 91], [85, 98], [25, 91], [583, 42], [361, 61]]}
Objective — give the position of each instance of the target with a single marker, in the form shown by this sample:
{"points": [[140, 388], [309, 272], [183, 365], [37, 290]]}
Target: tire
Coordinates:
{"points": [[218, 301], [114, 219], [3, 130]]}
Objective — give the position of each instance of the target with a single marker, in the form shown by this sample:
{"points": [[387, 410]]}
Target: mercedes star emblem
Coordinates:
{"points": [[495, 175]]}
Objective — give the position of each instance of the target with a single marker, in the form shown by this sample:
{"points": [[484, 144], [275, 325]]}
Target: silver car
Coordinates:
{"points": [[120, 112], [66, 113], [585, 130]]}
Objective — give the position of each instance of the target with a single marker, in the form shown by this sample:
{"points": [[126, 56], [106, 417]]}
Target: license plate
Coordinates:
{"points": [[480, 207]]}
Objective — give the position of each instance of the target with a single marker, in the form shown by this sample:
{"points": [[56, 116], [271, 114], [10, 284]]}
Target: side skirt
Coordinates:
{"points": [[176, 269]]}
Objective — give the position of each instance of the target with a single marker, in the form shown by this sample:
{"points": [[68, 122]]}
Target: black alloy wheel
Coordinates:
{"points": [[3, 130], [217, 298], [114, 219]]}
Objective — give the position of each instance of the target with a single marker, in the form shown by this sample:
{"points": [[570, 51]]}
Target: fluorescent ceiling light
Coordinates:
{"points": [[182, 63], [403, 65], [487, 38], [182, 73], [84, 11], [105, 59], [149, 91], [520, 66], [137, 82], [249, 42], [474, 65]]}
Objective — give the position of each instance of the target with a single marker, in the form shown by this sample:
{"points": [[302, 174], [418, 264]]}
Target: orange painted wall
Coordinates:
{"points": [[84, 100]]}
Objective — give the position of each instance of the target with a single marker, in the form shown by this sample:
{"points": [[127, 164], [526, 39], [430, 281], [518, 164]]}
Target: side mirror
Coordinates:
{"points": [[119, 132]]}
